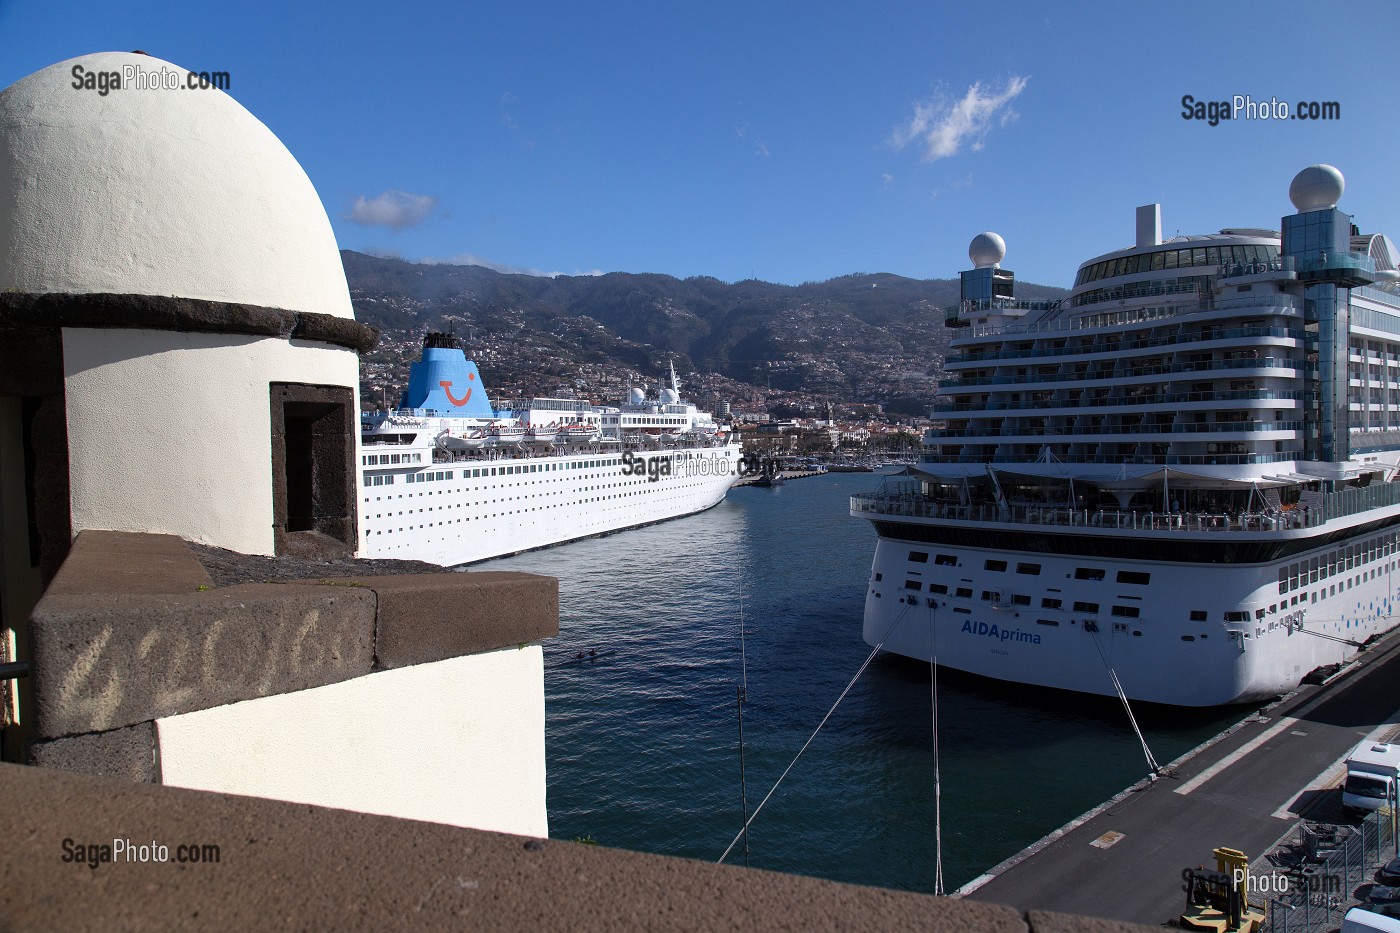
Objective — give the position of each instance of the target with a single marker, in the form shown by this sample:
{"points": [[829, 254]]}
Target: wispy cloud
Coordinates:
{"points": [[943, 126], [886, 179], [471, 259], [393, 209], [762, 149]]}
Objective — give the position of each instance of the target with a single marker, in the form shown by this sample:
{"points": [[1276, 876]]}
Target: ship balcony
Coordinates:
{"points": [[1327, 507], [1248, 430], [914, 506], [1211, 399], [1266, 367], [1345, 270], [1283, 336]]}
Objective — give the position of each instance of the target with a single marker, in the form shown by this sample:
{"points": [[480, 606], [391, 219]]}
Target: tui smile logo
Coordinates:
{"points": [[459, 402]]}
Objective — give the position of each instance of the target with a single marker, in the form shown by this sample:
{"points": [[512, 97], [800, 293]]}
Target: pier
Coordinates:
{"points": [[1247, 789]]}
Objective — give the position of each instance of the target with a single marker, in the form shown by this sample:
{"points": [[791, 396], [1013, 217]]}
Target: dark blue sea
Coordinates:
{"points": [[643, 737]]}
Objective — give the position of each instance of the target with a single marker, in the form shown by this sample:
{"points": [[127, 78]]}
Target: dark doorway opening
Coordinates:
{"points": [[313, 449]]}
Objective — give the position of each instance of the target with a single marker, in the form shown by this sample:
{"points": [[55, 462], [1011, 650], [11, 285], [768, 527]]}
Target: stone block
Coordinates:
{"points": [[128, 562], [131, 754], [103, 661], [429, 617]]}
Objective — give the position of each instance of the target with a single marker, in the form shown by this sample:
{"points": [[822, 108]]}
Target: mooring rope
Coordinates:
{"points": [[937, 777], [866, 663], [743, 697], [1118, 688]]}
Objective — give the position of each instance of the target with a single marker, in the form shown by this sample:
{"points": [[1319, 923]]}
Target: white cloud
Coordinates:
{"points": [[886, 179], [471, 259], [944, 127], [393, 209]]}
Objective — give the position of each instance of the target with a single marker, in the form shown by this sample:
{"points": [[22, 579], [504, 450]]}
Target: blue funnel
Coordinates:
{"points": [[448, 384]]}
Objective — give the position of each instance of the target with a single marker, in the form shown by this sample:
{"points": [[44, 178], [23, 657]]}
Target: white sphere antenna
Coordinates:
{"points": [[1317, 188], [987, 250]]}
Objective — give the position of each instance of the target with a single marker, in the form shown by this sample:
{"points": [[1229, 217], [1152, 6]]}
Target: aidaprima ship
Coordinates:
{"points": [[449, 478], [1181, 476]]}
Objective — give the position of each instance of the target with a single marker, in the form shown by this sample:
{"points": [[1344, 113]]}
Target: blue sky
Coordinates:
{"points": [[788, 141]]}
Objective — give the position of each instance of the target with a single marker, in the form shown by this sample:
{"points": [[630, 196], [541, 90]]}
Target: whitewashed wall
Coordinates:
{"points": [[171, 432], [459, 741]]}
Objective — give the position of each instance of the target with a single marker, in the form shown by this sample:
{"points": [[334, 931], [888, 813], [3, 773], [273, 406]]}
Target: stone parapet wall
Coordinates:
{"points": [[133, 630]]}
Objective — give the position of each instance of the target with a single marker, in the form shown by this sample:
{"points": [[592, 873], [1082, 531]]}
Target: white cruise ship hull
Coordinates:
{"points": [[1167, 638], [461, 511]]}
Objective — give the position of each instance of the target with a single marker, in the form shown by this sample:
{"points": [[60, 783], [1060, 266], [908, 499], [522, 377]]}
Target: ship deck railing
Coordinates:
{"points": [[524, 451], [1319, 509]]}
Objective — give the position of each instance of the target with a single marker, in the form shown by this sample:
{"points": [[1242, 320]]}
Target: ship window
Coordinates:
{"points": [[1088, 573], [946, 560], [1050, 602], [919, 557], [1020, 600], [1032, 569], [1238, 615], [1126, 612], [991, 596], [1046, 622], [938, 588], [913, 585], [1188, 637], [1283, 580], [1134, 576], [997, 565], [1086, 607], [1259, 613], [964, 592]]}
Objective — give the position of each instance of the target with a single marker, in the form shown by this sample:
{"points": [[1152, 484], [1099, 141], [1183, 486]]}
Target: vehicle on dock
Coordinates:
{"points": [[1372, 771], [1359, 919]]}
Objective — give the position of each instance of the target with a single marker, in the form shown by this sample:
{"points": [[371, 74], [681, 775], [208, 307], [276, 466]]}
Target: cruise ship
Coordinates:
{"points": [[450, 478], [1177, 483]]}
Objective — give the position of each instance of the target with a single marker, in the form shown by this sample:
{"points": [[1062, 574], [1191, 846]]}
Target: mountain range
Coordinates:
{"points": [[860, 338]]}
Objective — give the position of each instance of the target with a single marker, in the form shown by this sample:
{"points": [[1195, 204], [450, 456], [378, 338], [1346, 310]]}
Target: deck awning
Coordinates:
{"points": [[1124, 477]]}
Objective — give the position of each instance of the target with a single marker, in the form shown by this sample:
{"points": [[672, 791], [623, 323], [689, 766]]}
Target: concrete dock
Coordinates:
{"points": [[1245, 790], [786, 475]]}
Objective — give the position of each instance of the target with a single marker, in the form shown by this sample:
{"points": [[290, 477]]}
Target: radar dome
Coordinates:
{"points": [[636, 396], [669, 396], [987, 250], [1317, 188], [156, 191]]}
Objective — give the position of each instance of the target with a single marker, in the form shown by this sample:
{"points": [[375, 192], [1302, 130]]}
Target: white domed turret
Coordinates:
{"points": [[1317, 188], [669, 396], [636, 396], [179, 255], [987, 250], [163, 191]]}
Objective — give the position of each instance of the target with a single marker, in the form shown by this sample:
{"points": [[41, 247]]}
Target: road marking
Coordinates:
{"points": [[1337, 770], [1236, 755], [1297, 732], [1106, 840], [1272, 731]]}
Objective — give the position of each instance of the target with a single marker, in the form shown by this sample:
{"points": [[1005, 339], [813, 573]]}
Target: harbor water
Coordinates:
{"points": [[643, 734]]}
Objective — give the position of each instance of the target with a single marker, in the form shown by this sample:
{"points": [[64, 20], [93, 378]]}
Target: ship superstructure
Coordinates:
{"points": [[449, 478], [1182, 473]]}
